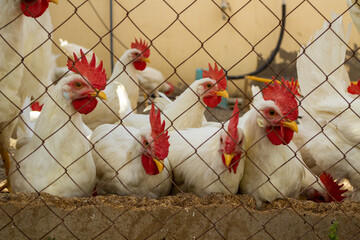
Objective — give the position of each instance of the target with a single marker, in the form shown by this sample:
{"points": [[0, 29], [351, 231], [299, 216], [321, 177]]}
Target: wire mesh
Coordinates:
{"points": [[62, 165]]}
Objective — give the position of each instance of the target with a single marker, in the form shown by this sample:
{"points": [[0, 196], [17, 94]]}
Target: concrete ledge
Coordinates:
{"points": [[184, 216]]}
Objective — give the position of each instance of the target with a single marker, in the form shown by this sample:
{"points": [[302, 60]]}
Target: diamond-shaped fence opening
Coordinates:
{"points": [[164, 119]]}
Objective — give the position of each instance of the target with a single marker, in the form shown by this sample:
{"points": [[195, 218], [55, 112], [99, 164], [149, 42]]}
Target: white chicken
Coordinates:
{"points": [[131, 161], [208, 159], [25, 50], [187, 111], [354, 6], [329, 128], [57, 160], [122, 85], [273, 169]]}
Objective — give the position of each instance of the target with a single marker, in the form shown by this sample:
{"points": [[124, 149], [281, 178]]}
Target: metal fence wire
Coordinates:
{"points": [[87, 163]]}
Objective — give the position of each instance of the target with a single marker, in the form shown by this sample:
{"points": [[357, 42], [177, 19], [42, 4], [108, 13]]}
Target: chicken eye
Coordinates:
{"points": [[272, 113], [78, 84], [221, 140], [146, 143], [208, 85]]}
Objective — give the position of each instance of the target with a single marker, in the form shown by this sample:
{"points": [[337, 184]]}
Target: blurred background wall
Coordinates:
{"points": [[177, 28]]}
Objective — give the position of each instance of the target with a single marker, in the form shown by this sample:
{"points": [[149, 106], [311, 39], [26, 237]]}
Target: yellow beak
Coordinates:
{"points": [[99, 94], [228, 158], [290, 124], [146, 60], [222, 93], [54, 1], [159, 164]]}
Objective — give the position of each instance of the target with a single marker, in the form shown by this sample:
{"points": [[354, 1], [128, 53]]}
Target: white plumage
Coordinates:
{"points": [[271, 171], [329, 137], [197, 157], [63, 165], [120, 169], [151, 79], [354, 12], [26, 37]]}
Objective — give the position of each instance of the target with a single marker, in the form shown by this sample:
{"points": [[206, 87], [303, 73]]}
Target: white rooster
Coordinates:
{"points": [[208, 159], [130, 161], [273, 169], [57, 159], [24, 42], [329, 129], [187, 111], [122, 85]]}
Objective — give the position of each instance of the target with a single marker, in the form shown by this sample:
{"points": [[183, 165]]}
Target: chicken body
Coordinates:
{"points": [[272, 171], [329, 127], [119, 168], [25, 42], [196, 158], [63, 164]]}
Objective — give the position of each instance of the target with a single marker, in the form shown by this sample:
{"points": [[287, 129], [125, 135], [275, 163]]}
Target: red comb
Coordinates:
{"points": [[293, 86], [142, 46], [231, 142], [36, 106], [217, 75], [161, 141], [332, 188], [95, 75], [283, 98], [354, 88]]}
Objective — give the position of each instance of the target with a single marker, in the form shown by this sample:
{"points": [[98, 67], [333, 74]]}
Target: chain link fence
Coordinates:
{"points": [[75, 134]]}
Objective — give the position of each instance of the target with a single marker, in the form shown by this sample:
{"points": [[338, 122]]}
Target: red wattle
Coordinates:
{"points": [[279, 135], [212, 101], [149, 165], [85, 105], [31, 8], [140, 65]]}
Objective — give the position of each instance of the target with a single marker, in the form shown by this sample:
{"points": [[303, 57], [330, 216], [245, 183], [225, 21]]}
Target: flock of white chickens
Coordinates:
{"points": [[89, 138]]}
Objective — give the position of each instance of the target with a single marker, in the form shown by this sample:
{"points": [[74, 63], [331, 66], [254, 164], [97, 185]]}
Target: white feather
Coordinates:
{"points": [[63, 164], [119, 170]]}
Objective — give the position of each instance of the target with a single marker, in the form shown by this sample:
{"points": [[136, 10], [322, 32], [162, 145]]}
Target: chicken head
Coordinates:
{"points": [[279, 111], [83, 89], [35, 8], [156, 145], [231, 142]]}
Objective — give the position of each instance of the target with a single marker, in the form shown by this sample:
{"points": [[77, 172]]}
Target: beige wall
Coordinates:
{"points": [[203, 18]]}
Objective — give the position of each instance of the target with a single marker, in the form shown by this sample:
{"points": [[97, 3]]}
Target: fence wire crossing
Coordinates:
{"points": [[90, 153]]}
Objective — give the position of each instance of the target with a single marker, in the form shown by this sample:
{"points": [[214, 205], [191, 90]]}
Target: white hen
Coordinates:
{"points": [[130, 161], [22, 37], [273, 170], [208, 159], [57, 160], [329, 129]]}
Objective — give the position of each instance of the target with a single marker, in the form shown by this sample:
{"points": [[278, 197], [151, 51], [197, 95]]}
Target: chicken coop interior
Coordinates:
{"points": [[166, 119]]}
